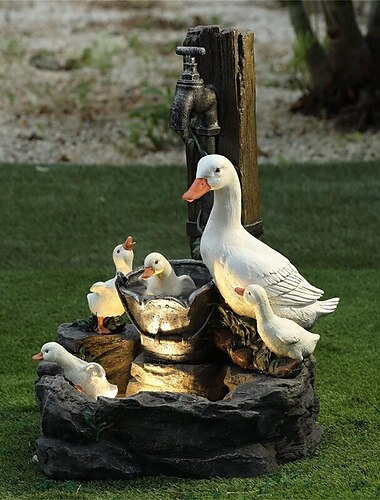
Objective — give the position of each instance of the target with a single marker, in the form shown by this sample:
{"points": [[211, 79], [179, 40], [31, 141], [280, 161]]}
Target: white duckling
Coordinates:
{"points": [[235, 258], [104, 301], [87, 377], [281, 335], [161, 279]]}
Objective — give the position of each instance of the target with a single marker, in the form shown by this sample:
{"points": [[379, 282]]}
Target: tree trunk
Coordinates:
{"points": [[315, 55], [373, 39], [345, 78], [348, 51]]}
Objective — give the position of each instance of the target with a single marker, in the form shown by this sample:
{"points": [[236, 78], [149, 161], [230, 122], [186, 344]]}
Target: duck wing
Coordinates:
{"points": [[94, 370], [98, 287], [252, 261], [187, 282], [288, 338], [102, 287], [286, 334], [287, 287]]}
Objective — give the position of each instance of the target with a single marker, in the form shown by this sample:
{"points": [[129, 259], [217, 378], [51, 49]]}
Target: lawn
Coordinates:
{"points": [[59, 226]]}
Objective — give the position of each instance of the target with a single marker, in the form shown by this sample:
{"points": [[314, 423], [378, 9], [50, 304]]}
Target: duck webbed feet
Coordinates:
{"points": [[101, 329]]}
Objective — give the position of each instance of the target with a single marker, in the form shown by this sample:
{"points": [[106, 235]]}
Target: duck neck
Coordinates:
{"points": [[167, 272], [226, 211], [123, 266], [67, 360], [263, 310]]}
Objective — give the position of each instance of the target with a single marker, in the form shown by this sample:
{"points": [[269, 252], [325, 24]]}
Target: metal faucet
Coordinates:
{"points": [[194, 116], [194, 109], [226, 96]]}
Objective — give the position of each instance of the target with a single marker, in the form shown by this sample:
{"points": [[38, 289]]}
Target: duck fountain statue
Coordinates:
{"points": [[282, 336], [161, 279], [179, 390], [89, 378], [104, 300], [237, 259]]}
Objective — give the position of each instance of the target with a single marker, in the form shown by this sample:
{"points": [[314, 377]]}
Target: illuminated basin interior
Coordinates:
{"points": [[171, 328]]}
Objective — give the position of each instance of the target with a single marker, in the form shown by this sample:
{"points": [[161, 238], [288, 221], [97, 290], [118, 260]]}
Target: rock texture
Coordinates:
{"points": [[114, 352], [234, 376], [202, 379], [260, 424]]}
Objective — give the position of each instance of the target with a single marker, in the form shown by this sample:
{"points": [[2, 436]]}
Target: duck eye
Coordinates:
{"points": [[118, 251], [156, 261], [217, 170], [249, 293], [46, 351]]}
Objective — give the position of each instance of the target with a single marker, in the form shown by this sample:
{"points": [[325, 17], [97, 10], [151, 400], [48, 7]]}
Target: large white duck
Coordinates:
{"points": [[87, 377], [104, 301], [235, 258], [281, 335], [161, 279]]}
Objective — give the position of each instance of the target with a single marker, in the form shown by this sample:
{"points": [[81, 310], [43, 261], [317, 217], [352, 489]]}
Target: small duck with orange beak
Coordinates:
{"points": [[104, 301], [161, 279], [86, 377], [282, 336]]}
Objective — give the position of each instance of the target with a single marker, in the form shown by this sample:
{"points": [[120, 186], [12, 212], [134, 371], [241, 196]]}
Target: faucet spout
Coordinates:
{"points": [[182, 107]]}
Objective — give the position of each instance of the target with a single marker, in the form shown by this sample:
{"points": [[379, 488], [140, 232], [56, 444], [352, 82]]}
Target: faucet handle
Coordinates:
{"points": [[190, 72], [190, 51]]}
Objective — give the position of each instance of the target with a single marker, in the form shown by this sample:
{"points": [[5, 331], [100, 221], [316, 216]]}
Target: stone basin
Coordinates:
{"points": [[261, 423], [190, 420], [171, 328]]}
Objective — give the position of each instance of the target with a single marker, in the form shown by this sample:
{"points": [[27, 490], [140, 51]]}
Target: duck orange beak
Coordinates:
{"points": [[129, 243], [239, 291], [38, 357], [148, 272], [198, 188]]}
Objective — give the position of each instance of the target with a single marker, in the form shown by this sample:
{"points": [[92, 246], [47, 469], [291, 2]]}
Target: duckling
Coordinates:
{"points": [[104, 300], [89, 378], [282, 336], [161, 279], [122, 256]]}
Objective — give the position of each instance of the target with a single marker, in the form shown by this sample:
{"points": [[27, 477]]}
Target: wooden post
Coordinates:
{"points": [[228, 67]]}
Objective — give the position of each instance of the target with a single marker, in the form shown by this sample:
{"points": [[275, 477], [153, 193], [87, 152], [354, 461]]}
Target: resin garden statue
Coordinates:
{"points": [[89, 378], [282, 336], [161, 279], [235, 258], [104, 301], [177, 392]]}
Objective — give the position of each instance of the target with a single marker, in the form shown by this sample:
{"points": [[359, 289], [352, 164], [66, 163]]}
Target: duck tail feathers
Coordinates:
{"points": [[313, 341], [328, 306]]}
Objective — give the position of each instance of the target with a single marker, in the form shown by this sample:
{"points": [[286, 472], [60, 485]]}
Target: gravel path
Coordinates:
{"points": [[72, 72]]}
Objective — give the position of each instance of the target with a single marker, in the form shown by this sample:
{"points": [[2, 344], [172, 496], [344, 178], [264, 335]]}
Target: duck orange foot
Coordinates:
{"points": [[101, 328]]}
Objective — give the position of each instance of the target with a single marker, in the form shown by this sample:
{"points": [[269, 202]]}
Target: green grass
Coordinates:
{"points": [[57, 233]]}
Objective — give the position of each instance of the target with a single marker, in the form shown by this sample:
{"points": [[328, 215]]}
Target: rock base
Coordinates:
{"points": [[261, 423], [202, 380]]}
